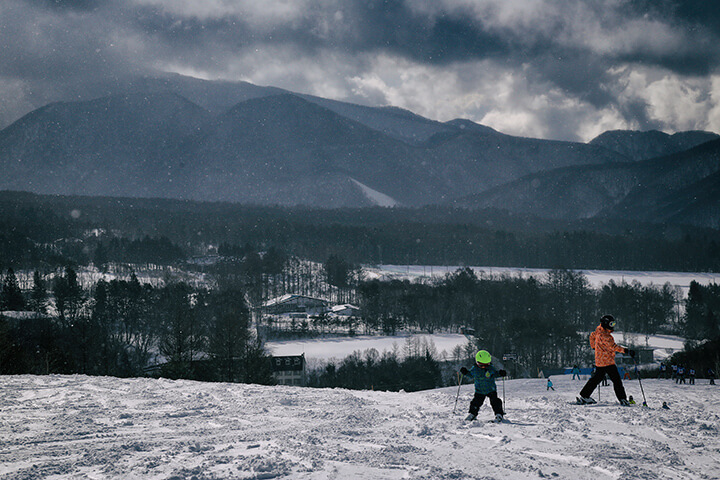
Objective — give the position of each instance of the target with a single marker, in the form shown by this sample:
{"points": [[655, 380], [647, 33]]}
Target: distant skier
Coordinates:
{"points": [[605, 348], [665, 406], [691, 376], [484, 375], [711, 376], [631, 400], [663, 371], [576, 372], [680, 375], [549, 385]]}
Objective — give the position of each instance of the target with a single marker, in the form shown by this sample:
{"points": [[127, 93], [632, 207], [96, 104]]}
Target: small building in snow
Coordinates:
{"points": [[289, 370], [289, 304], [346, 310]]}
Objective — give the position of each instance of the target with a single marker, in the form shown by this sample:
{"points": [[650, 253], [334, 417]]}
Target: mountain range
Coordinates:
{"points": [[219, 141]]}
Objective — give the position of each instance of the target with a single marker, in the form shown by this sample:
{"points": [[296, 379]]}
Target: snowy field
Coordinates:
{"points": [[340, 347], [78, 427], [596, 278], [337, 348]]}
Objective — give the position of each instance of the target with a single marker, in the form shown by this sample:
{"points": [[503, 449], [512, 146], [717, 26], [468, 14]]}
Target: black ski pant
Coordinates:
{"points": [[600, 372], [479, 399]]}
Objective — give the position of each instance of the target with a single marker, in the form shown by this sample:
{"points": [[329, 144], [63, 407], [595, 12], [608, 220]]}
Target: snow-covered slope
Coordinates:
{"points": [[72, 427]]}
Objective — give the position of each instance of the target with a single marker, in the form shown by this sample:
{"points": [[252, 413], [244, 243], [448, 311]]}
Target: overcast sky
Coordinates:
{"points": [[560, 69]]}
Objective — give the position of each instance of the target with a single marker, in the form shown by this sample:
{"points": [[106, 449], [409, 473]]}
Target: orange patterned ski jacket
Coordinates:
{"points": [[605, 347]]}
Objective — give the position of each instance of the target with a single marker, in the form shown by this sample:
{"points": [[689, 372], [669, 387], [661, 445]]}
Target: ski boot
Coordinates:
{"points": [[499, 418], [470, 417], [585, 400]]}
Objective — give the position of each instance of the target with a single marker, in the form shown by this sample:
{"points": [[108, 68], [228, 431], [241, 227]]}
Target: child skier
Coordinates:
{"points": [[605, 347], [550, 385], [484, 375]]}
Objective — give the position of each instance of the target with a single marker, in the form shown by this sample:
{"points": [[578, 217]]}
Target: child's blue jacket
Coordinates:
{"points": [[484, 379]]}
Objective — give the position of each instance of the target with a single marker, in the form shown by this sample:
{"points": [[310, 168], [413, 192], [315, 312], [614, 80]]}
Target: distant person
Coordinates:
{"points": [[663, 371], [626, 376], [576, 372], [549, 385], [711, 376], [631, 400], [691, 376], [680, 375], [673, 369], [484, 375], [665, 406], [602, 341]]}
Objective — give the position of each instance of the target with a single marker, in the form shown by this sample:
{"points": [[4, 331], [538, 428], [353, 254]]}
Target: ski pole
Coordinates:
{"points": [[458, 392], [504, 403], [640, 382]]}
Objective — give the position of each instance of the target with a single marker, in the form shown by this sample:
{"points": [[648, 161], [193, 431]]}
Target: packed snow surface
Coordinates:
{"points": [[73, 427]]}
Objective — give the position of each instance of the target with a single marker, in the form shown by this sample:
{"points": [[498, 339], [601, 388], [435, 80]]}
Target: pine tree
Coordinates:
{"points": [[38, 295], [11, 297]]}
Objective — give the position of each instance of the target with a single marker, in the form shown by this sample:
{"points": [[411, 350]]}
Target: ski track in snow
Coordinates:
{"points": [[72, 427]]}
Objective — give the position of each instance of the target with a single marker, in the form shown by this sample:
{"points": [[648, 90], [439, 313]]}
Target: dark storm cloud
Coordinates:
{"points": [[573, 47]]}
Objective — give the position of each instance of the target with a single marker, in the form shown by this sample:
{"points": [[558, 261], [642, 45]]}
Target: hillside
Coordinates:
{"points": [[102, 427], [651, 144], [270, 148], [655, 190], [188, 139]]}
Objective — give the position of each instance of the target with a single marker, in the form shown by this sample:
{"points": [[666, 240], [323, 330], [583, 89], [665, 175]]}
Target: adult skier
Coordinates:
{"points": [[484, 375], [605, 348]]}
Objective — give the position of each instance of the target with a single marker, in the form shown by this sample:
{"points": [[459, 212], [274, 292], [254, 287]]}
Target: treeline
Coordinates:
{"points": [[31, 226], [124, 328], [541, 320], [372, 371], [144, 250]]}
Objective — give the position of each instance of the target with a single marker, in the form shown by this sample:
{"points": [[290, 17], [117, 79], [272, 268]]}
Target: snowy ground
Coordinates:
{"points": [[327, 348], [596, 278], [337, 348], [72, 427]]}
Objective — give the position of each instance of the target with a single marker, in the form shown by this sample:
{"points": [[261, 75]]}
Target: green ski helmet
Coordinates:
{"points": [[483, 356]]}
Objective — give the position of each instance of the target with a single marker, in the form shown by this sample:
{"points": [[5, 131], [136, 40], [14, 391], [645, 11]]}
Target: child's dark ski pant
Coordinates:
{"points": [[479, 399]]}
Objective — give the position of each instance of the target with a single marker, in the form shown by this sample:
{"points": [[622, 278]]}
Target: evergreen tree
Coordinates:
{"points": [[69, 297], [182, 337], [38, 295], [11, 297], [695, 312], [337, 271], [228, 332]]}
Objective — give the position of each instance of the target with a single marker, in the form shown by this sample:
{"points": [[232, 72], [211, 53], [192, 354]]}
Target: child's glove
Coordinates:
{"points": [[464, 370], [502, 373]]}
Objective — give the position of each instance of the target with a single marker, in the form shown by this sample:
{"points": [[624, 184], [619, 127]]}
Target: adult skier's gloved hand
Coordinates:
{"points": [[630, 352], [464, 370], [502, 373]]}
